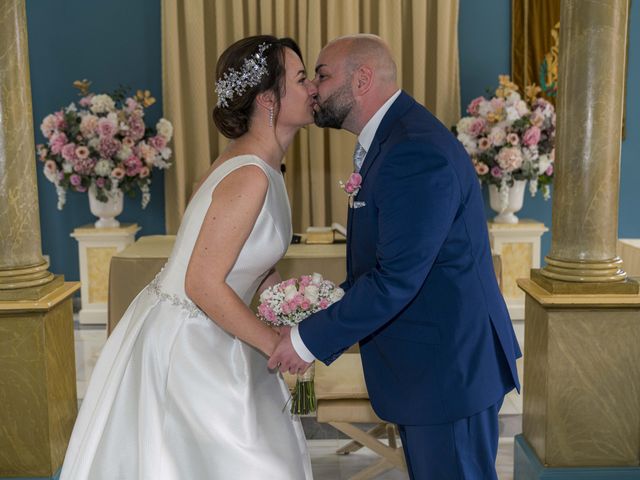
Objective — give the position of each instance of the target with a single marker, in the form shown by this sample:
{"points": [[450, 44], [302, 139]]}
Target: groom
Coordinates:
{"points": [[438, 349]]}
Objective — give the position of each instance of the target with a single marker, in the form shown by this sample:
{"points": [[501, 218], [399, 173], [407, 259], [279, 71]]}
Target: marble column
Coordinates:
{"points": [[581, 388], [589, 126], [24, 272], [38, 403]]}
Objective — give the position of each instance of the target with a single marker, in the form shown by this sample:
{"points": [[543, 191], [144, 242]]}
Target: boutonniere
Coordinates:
{"points": [[352, 187]]}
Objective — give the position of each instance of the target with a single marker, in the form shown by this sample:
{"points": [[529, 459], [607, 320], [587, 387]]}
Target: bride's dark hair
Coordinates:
{"points": [[233, 119]]}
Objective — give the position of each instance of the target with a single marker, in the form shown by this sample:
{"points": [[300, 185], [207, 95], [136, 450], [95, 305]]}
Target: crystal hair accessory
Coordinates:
{"points": [[234, 83]]}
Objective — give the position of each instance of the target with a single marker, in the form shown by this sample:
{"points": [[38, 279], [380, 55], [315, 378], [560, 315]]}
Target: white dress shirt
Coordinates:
{"points": [[365, 139]]}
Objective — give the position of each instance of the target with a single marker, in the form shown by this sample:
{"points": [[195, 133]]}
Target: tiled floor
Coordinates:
{"points": [[324, 440]]}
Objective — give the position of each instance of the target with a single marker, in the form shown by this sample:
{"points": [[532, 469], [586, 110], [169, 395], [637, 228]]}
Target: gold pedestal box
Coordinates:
{"points": [[38, 404], [582, 378]]}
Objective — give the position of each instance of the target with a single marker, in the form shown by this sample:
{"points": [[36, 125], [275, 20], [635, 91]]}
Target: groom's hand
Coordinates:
{"points": [[284, 357]]}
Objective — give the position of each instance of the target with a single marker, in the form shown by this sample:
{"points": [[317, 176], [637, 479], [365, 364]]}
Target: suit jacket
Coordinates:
{"points": [[436, 340]]}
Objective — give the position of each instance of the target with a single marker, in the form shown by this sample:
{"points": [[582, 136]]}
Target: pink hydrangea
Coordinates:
{"points": [[75, 180], [68, 152], [108, 147], [56, 142], [133, 166]]}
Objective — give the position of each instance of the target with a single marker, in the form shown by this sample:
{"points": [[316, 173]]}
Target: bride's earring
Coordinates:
{"points": [[271, 117]]}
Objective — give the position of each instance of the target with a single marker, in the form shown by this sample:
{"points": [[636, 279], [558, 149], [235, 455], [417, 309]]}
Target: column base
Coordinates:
{"points": [[38, 384], [624, 287], [527, 466]]}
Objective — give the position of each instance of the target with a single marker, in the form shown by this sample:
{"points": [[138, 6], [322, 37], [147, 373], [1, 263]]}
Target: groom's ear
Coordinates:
{"points": [[266, 100], [362, 79]]}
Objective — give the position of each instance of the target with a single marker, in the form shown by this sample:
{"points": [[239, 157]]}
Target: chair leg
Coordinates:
{"points": [[393, 455], [354, 446]]}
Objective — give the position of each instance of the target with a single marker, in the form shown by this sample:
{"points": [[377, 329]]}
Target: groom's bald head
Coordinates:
{"points": [[366, 50]]}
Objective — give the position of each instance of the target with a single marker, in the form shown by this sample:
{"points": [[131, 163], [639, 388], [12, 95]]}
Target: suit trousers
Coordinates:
{"points": [[462, 450]]}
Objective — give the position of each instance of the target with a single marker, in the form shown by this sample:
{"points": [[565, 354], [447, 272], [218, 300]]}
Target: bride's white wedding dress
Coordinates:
{"points": [[173, 395]]}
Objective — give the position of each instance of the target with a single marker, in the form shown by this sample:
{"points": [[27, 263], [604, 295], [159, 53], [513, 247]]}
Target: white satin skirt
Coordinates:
{"points": [[175, 397]]}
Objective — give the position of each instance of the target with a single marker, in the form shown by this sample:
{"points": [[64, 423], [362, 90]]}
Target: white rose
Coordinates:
{"points": [[102, 104], [311, 293], [543, 163], [67, 167], [464, 124], [316, 279], [265, 295], [336, 295], [165, 128], [512, 114], [468, 142], [497, 136], [124, 153], [94, 142], [521, 107], [484, 108], [290, 292], [513, 97]]}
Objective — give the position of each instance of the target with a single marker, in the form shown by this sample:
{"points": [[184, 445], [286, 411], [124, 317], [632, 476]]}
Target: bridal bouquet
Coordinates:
{"points": [[103, 143], [510, 138], [288, 303]]}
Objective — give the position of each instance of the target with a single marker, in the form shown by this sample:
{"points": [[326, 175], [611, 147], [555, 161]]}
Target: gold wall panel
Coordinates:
{"points": [[98, 260], [516, 263]]}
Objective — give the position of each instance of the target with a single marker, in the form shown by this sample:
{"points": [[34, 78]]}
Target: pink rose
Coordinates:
{"points": [[324, 303], [531, 137], [350, 187], [477, 127], [158, 142], [472, 109], [549, 171], [496, 172], [68, 152], [355, 179], [306, 304], [136, 127], [509, 159], [48, 125], [75, 180], [286, 309], [60, 122], [305, 280]]}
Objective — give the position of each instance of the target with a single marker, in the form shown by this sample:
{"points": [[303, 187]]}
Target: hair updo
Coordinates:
{"points": [[233, 119]]}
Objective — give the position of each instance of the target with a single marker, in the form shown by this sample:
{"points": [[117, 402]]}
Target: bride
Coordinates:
{"points": [[181, 389]]}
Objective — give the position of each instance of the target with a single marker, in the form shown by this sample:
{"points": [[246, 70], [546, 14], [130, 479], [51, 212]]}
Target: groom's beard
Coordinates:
{"points": [[332, 112]]}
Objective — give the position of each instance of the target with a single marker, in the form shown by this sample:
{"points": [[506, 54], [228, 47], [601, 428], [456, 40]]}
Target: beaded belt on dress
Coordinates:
{"points": [[188, 305]]}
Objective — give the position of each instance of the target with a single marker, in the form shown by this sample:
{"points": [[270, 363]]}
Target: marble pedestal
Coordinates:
{"points": [[96, 246], [38, 403], [581, 383]]}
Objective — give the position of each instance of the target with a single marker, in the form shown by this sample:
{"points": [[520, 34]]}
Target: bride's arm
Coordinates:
{"points": [[234, 209]]}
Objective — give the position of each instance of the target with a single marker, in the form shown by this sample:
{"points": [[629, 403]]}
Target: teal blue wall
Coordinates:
{"points": [[111, 43], [484, 35], [119, 42]]}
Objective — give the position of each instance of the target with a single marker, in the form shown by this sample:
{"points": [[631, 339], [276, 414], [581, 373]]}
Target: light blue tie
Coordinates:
{"points": [[358, 157]]}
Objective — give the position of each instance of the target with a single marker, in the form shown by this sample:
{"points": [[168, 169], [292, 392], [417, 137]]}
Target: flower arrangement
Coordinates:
{"points": [[103, 143], [287, 304], [510, 139]]}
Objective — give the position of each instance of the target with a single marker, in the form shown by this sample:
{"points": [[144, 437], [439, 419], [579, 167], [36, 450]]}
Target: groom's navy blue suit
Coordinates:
{"points": [[422, 299]]}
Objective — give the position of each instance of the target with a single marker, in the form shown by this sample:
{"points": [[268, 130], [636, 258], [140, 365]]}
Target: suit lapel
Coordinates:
{"points": [[398, 108]]}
